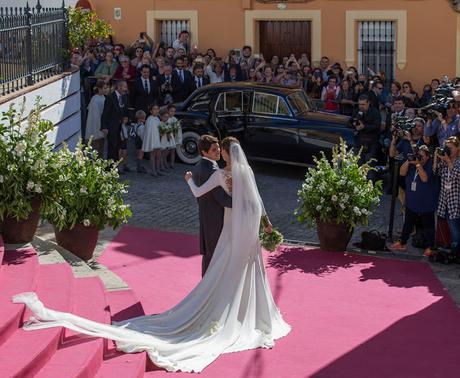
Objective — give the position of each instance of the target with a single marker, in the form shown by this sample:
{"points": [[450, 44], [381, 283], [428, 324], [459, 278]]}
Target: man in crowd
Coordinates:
{"points": [[198, 77], [445, 125], [115, 106], [181, 81], [374, 94], [145, 90], [169, 56], [366, 121], [165, 85], [181, 41]]}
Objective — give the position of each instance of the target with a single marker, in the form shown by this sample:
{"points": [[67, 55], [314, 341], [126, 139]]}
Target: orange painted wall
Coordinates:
{"points": [[431, 27]]}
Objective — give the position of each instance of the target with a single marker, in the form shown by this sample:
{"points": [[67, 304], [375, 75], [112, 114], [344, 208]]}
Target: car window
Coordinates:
{"points": [[230, 102], [269, 104], [299, 102], [201, 102]]}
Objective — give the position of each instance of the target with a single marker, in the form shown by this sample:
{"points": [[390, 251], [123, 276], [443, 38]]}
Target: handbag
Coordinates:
{"points": [[372, 240]]}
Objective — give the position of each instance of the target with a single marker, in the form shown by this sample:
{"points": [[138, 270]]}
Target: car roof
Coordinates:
{"points": [[275, 88]]}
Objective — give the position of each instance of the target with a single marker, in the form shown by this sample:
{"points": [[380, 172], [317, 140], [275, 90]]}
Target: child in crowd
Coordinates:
{"points": [[151, 143], [177, 130], [124, 137], [138, 134], [167, 139]]}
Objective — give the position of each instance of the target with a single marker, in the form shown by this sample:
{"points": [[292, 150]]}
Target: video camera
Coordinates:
{"points": [[354, 121], [403, 125], [439, 102]]}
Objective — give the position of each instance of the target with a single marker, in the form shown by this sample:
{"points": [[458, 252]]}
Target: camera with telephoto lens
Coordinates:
{"points": [[403, 125], [443, 151], [354, 121], [414, 157], [439, 102]]}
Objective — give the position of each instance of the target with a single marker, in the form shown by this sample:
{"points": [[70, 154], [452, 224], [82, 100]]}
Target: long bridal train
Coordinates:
{"points": [[230, 310]]}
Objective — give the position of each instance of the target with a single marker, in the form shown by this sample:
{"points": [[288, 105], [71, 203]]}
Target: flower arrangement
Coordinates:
{"points": [[165, 129], [269, 240], [89, 191], [338, 190], [28, 167], [176, 127]]}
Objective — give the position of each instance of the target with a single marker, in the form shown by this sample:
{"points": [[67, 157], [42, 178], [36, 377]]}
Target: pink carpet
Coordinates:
{"points": [[352, 316]]}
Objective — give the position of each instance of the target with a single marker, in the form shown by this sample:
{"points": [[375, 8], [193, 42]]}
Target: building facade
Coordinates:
{"points": [[412, 40]]}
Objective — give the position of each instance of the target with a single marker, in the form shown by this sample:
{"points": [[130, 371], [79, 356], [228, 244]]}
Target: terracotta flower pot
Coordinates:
{"points": [[23, 231], [80, 240], [333, 236]]}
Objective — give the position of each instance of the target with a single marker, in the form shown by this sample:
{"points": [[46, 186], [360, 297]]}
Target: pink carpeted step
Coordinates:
{"points": [[81, 356], [26, 352], [123, 305], [18, 274]]}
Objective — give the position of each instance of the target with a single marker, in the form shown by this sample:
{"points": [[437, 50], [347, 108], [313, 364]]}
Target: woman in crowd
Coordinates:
{"points": [[395, 92], [160, 65], [125, 71], [330, 94], [447, 166], [106, 69], [215, 71], [252, 75], [139, 53], [410, 96], [93, 122], [420, 200], [152, 142], [345, 98]]}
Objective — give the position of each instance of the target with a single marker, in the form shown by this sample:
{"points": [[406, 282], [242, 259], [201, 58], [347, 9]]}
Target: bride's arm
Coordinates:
{"points": [[213, 182]]}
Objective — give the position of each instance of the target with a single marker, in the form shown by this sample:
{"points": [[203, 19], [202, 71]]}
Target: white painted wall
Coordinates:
{"points": [[62, 101]]}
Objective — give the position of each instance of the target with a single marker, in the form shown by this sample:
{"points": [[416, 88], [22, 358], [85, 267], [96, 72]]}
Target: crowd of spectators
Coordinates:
{"points": [[146, 77]]}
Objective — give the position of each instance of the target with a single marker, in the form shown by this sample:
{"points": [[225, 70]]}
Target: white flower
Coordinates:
{"points": [[334, 198], [345, 197], [30, 185], [318, 208], [86, 222], [342, 206], [356, 210], [83, 190], [20, 148], [322, 200], [38, 188], [109, 214], [1, 179]]}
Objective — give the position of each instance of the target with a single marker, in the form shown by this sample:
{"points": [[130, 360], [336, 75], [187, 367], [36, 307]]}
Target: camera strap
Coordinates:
{"points": [[413, 186]]}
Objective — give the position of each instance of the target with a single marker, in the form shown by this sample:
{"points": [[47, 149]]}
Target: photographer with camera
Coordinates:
{"points": [[446, 123], [366, 122], [421, 195], [447, 166], [407, 136]]}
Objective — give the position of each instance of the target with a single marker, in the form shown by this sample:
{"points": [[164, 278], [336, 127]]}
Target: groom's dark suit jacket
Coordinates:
{"points": [[211, 208]]}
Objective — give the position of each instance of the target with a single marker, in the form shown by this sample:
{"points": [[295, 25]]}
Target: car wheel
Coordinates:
{"points": [[188, 151]]}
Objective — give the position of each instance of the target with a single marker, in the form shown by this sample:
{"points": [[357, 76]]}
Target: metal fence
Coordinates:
{"points": [[33, 45]]}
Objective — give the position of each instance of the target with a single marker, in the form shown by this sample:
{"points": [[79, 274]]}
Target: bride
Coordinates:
{"points": [[230, 310]]}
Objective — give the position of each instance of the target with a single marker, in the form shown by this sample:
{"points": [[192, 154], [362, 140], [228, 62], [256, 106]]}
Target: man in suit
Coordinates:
{"points": [[165, 85], [115, 106], [212, 204], [198, 77], [145, 90], [181, 81]]}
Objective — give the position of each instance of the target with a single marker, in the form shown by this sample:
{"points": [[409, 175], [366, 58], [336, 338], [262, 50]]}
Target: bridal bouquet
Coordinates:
{"points": [[165, 130], [269, 240]]}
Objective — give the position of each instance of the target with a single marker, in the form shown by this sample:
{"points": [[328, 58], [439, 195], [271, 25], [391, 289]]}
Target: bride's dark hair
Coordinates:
{"points": [[226, 142]]}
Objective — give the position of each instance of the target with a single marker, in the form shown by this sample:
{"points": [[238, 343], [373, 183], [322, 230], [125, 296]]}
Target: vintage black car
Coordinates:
{"points": [[273, 123]]}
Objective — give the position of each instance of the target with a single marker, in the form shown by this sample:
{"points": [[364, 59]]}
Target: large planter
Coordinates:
{"points": [[333, 236], [23, 231], [80, 240]]}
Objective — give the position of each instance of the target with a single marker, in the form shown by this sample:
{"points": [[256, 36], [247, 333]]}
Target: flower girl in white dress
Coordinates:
{"points": [[151, 142]]}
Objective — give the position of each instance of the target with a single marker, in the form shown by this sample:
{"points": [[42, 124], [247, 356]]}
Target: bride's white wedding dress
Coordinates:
{"points": [[230, 310]]}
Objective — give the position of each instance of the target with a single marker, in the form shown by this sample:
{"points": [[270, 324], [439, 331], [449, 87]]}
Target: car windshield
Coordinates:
{"points": [[299, 102]]}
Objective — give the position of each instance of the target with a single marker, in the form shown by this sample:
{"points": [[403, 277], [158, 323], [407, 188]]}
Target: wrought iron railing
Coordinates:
{"points": [[33, 45]]}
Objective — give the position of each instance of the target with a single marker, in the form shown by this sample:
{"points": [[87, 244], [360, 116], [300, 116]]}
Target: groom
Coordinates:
{"points": [[212, 204]]}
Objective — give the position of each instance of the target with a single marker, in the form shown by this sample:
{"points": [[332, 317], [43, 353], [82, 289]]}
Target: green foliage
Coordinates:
{"points": [[338, 190], [85, 25], [27, 164], [89, 191]]}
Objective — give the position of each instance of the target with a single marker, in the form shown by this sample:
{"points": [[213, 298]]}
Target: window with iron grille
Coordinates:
{"points": [[170, 29], [376, 47]]}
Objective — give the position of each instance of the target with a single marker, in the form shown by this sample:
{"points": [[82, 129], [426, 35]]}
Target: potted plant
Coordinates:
{"points": [[27, 172], [90, 198], [337, 196]]}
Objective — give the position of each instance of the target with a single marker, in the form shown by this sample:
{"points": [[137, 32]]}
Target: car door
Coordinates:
{"points": [[272, 131], [230, 113]]}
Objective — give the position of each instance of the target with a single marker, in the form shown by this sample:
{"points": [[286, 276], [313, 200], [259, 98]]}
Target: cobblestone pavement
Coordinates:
{"points": [[166, 203]]}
